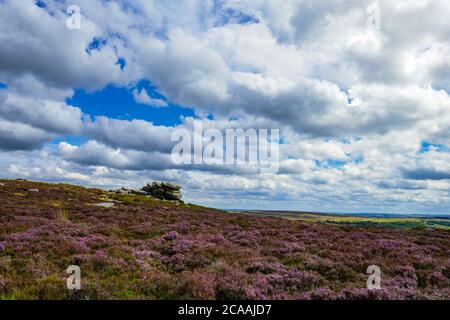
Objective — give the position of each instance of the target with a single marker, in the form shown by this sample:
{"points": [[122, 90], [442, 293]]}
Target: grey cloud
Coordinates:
{"points": [[320, 108], [32, 114], [404, 184], [425, 174], [33, 41], [51, 116], [93, 153], [135, 134], [18, 136]]}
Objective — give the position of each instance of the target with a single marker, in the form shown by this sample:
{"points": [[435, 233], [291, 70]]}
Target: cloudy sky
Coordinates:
{"points": [[363, 108]]}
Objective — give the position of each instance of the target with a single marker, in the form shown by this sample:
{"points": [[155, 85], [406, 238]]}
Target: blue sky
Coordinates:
{"points": [[118, 103]]}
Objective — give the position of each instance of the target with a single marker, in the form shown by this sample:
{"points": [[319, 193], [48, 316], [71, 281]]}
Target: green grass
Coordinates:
{"points": [[396, 223]]}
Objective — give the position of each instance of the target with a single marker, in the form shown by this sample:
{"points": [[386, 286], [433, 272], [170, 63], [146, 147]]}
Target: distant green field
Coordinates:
{"points": [[395, 222]]}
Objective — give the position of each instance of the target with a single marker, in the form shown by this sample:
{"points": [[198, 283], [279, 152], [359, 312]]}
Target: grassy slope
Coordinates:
{"points": [[149, 249]]}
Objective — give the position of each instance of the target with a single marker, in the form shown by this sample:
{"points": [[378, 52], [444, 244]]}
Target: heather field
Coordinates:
{"points": [[143, 248]]}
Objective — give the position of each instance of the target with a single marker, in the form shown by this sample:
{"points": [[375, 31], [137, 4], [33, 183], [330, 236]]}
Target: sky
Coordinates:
{"points": [[359, 91]]}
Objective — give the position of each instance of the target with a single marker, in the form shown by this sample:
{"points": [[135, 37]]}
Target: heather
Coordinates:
{"points": [[146, 248]]}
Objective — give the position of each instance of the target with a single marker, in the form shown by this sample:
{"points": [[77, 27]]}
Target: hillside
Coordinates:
{"points": [[142, 248]]}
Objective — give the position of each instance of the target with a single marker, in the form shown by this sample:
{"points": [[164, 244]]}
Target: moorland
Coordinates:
{"points": [[139, 247]]}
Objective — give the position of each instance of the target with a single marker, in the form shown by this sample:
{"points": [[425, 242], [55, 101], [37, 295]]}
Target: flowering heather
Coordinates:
{"points": [[148, 249]]}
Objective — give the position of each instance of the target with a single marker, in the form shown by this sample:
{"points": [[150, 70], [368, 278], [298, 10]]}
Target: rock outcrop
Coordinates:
{"points": [[124, 191], [161, 190], [164, 190]]}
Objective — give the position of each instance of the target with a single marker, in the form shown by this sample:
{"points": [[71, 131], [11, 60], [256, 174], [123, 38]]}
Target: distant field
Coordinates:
{"points": [[395, 221]]}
